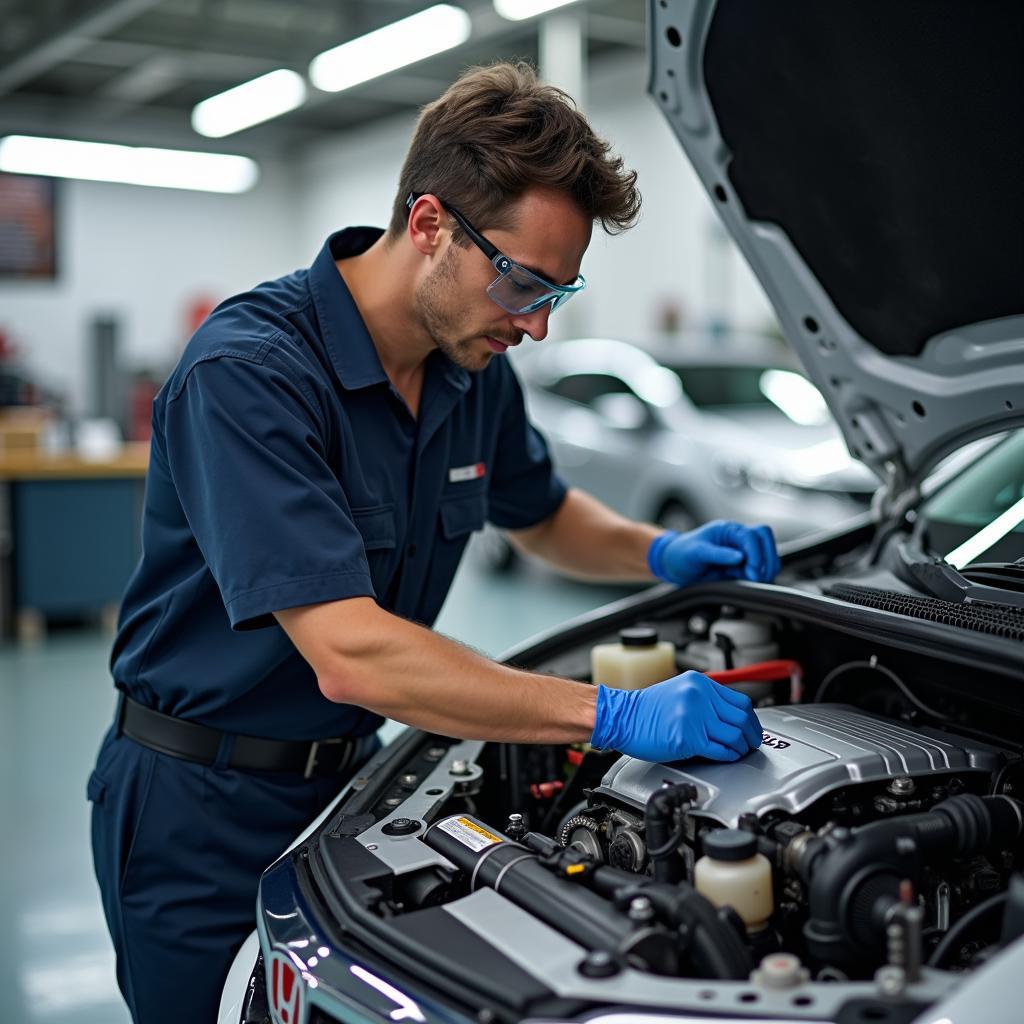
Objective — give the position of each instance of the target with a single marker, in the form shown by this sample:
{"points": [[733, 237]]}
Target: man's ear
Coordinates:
{"points": [[426, 227]]}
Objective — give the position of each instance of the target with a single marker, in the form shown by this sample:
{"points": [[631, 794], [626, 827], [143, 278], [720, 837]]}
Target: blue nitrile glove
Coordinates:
{"points": [[685, 716], [721, 550]]}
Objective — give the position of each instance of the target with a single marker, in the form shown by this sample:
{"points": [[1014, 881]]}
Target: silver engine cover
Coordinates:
{"points": [[808, 750]]}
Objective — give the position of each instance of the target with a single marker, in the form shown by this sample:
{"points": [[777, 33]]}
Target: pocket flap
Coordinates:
{"points": [[463, 515], [376, 526], [95, 788]]}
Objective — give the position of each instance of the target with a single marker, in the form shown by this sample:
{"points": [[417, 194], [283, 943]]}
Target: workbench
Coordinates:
{"points": [[72, 529]]}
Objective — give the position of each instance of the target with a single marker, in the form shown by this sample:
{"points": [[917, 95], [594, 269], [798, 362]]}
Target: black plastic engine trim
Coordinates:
{"points": [[993, 619]]}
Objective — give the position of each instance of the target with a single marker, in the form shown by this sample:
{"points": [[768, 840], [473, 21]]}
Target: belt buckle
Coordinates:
{"points": [[314, 751]]}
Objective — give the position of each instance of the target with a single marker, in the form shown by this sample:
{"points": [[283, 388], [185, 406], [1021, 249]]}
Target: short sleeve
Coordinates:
{"points": [[524, 488], [246, 452]]}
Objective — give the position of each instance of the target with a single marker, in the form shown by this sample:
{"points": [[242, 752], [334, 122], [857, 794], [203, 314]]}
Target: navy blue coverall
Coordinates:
{"points": [[285, 470]]}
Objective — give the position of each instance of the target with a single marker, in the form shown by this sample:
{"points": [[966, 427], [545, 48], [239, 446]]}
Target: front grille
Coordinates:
{"points": [[981, 617]]}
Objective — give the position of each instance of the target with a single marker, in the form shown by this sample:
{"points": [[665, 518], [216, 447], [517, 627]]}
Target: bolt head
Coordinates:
{"points": [[598, 964], [891, 980], [640, 909]]}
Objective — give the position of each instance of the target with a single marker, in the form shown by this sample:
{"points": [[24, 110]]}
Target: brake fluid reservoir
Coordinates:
{"points": [[733, 874], [637, 660], [733, 641]]}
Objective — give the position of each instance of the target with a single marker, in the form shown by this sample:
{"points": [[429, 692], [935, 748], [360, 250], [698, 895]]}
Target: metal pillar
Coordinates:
{"points": [[563, 52]]}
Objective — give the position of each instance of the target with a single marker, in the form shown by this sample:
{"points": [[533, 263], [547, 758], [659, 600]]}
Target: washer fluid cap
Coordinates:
{"points": [[730, 844], [638, 636]]}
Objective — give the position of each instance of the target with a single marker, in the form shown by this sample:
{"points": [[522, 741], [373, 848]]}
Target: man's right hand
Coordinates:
{"points": [[686, 716]]}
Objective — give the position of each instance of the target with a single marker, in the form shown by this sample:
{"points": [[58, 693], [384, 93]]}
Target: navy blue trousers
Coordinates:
{"points": [[179, 849]]}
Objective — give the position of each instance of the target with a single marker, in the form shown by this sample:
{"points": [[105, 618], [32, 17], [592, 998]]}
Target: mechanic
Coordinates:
{"points": [[320, 456]]}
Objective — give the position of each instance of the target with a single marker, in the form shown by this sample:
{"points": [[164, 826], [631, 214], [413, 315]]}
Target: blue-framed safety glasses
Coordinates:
{"points": [[516, 289]]}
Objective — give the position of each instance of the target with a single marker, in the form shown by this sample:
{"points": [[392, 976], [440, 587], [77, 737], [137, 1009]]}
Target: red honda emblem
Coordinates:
{"points": [[286, 989]]}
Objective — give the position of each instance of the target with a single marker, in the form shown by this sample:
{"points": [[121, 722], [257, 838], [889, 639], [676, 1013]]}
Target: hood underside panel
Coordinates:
{"points": [[879, 136], [867, 158]]}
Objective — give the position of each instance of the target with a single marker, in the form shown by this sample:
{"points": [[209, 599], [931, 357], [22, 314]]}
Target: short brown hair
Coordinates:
{"points": [[498, 131]]}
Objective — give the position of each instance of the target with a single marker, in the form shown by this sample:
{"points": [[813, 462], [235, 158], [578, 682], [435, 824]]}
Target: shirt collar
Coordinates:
{"points": [[348, 342]]}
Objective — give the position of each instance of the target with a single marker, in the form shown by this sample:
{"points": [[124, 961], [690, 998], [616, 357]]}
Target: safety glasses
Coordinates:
{"points": [[516, 289]]}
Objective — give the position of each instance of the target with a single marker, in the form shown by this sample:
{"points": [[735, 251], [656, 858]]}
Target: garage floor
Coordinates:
{"points": [[56, 701]]}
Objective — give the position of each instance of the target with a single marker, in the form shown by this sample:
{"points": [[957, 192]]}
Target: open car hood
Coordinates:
{"points": [[868, 159]]}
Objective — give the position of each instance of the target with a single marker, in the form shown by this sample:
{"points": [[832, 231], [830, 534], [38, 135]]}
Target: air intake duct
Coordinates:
{"points": [[853, 876]]}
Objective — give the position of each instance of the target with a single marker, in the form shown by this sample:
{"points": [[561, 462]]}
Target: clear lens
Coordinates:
{"points": [[520, 291]]}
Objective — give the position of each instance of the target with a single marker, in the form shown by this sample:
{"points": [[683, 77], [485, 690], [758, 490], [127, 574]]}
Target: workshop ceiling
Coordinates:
{"points": [[132, 70]]}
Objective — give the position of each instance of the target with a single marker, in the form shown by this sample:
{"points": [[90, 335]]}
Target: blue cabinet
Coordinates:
{"points": [[70, 536], [75, 542]]}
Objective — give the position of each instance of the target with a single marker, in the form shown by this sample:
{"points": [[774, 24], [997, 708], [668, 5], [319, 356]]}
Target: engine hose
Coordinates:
{"points": [[853, 876], [492, 860], [968, 921], [715, 948], [664, 834], [760, 671]]}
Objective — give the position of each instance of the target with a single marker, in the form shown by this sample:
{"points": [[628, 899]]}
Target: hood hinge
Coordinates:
{"points": [[899, 495]]}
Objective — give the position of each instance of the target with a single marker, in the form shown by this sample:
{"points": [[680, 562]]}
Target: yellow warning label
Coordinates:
{"points": [[575, 869], [469, 833], [480, 830]]}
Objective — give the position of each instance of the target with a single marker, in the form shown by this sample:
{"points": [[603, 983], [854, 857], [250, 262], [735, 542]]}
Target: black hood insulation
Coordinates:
{"points": [[887, 140]]}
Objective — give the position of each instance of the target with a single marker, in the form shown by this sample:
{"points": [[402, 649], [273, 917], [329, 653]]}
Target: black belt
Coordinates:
{"points": [[194, 742]]}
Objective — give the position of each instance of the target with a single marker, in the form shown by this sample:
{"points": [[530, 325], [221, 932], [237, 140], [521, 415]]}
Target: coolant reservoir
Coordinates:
{"points": [[636, 661], [733, 874], [733, 640]]}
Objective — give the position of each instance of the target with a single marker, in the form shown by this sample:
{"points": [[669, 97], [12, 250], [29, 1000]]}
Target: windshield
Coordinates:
{"points": [[735, 388], [979, 516]]}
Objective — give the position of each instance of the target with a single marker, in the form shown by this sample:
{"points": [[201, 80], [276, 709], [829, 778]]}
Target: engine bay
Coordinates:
{"points": [[873, 842]]}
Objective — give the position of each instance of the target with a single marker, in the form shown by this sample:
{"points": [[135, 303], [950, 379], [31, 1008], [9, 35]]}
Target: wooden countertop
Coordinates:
{"points": [[131, 461]]}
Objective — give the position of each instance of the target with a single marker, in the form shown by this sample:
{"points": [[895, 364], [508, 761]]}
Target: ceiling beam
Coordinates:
{"points": [[608, 28], [46, 51]]}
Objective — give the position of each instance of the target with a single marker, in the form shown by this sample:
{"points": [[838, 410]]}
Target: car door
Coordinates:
{"points": [[600, 432]]}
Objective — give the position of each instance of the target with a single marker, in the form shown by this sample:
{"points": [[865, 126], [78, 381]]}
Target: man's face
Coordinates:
{"points": [[550, 237]]}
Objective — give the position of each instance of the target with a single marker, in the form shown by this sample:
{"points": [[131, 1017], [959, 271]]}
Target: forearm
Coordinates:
{"points": [[587, 539], [365, 656]]}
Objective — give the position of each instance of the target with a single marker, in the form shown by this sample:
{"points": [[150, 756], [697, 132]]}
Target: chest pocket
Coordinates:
{"points": [[462, 514], [376, 525]]}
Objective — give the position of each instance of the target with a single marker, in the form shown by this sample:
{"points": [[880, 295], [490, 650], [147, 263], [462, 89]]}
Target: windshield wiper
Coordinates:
{"points": [[988, 582]]}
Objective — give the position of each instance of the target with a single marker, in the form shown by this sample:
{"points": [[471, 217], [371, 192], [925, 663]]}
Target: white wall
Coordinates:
{"points": [[350, 179], [143, 254], [678, 253]]}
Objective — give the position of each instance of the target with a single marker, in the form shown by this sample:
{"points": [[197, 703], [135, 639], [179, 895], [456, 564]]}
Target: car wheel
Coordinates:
{"points": [[493, 552], [674, 515]]}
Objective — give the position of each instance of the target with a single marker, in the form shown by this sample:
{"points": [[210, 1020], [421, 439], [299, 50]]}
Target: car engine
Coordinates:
{"points": [[826, 778], [874, 841], [861, 835]]}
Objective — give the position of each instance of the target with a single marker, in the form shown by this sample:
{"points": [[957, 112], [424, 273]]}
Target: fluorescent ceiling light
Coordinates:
{"points": [[250, 103], [520, 10], [434, 30], [129, 165]]}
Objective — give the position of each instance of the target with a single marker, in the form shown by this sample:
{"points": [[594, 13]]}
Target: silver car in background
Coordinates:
{"points": [[685, 432]]}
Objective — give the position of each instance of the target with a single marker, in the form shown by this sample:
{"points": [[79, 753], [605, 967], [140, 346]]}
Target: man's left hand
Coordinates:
{"points": [[720, 550]]}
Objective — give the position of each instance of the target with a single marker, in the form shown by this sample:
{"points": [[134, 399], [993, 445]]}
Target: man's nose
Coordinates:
{"points": [[534, 324]]}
